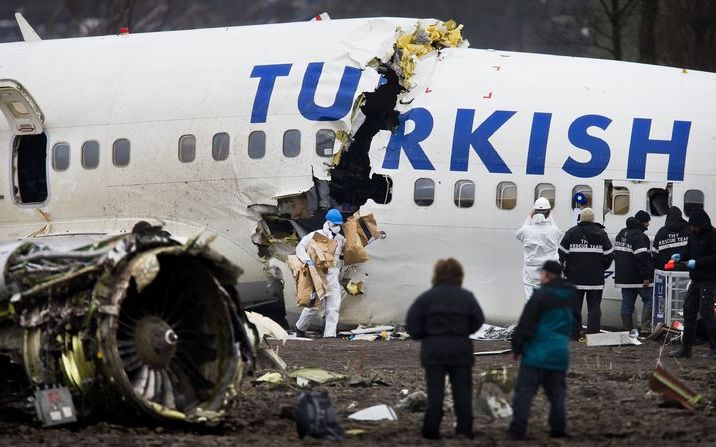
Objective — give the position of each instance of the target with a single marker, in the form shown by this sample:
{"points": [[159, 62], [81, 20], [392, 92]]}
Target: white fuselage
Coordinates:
{"points": [[539, 111]]}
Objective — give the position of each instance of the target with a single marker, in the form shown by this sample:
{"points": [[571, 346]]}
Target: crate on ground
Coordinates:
{"points": [[670, 289]]}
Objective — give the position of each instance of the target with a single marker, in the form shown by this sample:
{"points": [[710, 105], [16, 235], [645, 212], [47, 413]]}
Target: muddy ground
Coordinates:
{"points": [[608, 403]]}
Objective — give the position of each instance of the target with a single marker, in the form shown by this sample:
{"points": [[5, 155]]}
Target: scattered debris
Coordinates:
{"points": [[415, 402], [369, 330], [494, 393], [672, 389], [55, 407], [300, 381], [317, 375], [612, 339], [499, 352], [266, 326], [354, 288], [268, 329], [375, 413], [272, 377], [366, 337], [316, 417], [490, 332], [294, 337], [356, 432], [358, 382], [671, 334]]}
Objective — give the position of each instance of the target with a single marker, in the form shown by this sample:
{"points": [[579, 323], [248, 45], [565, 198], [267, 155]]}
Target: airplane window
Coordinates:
{"points": [[120, 152], [324, 142], [220, 146], [506, 195], [547, 191], [61, 157], [257, 144], [187, 148], [693, 199], [658, 201], [464, 193], [618, 200], [90, 155], [587, 191], [291, 143], [424, 194]]}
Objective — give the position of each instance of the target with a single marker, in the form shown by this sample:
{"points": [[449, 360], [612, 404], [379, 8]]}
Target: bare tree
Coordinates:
{"points": [[648, 15], [687, 34], [609, 21], [599, 27]]}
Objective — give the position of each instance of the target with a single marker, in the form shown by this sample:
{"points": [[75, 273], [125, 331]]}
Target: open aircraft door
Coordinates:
{"points": [[20, 110], [29, 147]]}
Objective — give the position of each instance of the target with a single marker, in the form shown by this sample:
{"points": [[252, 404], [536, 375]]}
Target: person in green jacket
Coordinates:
{"points": [[541, 341]]}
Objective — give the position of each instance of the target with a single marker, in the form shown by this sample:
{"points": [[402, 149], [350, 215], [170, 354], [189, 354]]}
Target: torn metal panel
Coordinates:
{"points": [[137, 324]]}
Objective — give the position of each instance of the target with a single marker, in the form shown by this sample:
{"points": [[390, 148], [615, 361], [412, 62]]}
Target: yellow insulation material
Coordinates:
{"points": [[409, 47]]}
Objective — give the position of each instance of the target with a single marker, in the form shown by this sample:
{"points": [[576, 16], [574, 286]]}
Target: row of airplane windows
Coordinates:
{"points": [[220, 147], [658, 200]]}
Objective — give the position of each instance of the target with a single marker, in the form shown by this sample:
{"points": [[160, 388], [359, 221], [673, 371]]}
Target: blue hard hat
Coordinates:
{"points": [[334, 216], [580, 198]]}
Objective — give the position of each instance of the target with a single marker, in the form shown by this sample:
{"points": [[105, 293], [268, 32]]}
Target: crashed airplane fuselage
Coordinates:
{"points": [[251, 132]]}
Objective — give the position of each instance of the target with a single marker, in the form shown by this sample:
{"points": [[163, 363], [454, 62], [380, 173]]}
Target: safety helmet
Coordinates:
{"points": [[334, 216], [580, 199], [542, 204]]}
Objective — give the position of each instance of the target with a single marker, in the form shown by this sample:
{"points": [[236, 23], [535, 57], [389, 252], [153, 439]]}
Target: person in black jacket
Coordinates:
{"points": [[586, 252], [443, 319], [701, 296], [634, 269], [671, 239], [541, 339]]}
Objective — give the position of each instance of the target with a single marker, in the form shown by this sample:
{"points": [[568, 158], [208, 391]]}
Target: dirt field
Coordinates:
{"points": [[608, 403]]}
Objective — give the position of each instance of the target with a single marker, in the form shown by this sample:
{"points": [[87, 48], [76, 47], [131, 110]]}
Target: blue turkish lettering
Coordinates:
{"points": [[341, 104], [641, 146], [538, 143], [599, 148], [267, 75], [410, 143], [479, 139]]}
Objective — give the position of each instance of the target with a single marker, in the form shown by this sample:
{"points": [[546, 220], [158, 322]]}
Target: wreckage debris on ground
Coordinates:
{"points": [[134, 325], [608, 402]]}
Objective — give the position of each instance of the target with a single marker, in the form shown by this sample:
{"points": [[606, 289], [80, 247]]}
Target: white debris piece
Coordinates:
{"points": [[491, 332], [366, 337], [266, 326], [368, 330], [612, 339], [375, 413], [498, 352]]}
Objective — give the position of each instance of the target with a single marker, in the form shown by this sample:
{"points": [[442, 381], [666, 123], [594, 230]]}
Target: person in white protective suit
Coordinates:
{"points": [[332, 301], [540, 238]]}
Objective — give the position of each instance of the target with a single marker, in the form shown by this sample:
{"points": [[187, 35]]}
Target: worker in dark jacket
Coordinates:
{"points": [[586, 252], [443, 319], [671, 239], [701, 296], [634, 269], [541, 339]]}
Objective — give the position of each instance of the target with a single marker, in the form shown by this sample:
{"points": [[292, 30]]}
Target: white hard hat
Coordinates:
{"points": [[542, 204]]}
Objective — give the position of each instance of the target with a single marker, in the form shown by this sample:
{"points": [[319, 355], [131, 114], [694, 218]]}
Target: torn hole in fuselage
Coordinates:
{"points": [[351, 184]]}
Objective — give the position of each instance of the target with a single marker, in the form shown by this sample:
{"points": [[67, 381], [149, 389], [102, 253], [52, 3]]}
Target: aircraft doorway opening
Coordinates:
{"points": [[29, 166]]}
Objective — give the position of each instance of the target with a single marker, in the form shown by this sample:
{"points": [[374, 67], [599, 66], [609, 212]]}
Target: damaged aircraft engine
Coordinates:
{"points": [[131, 326]]}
